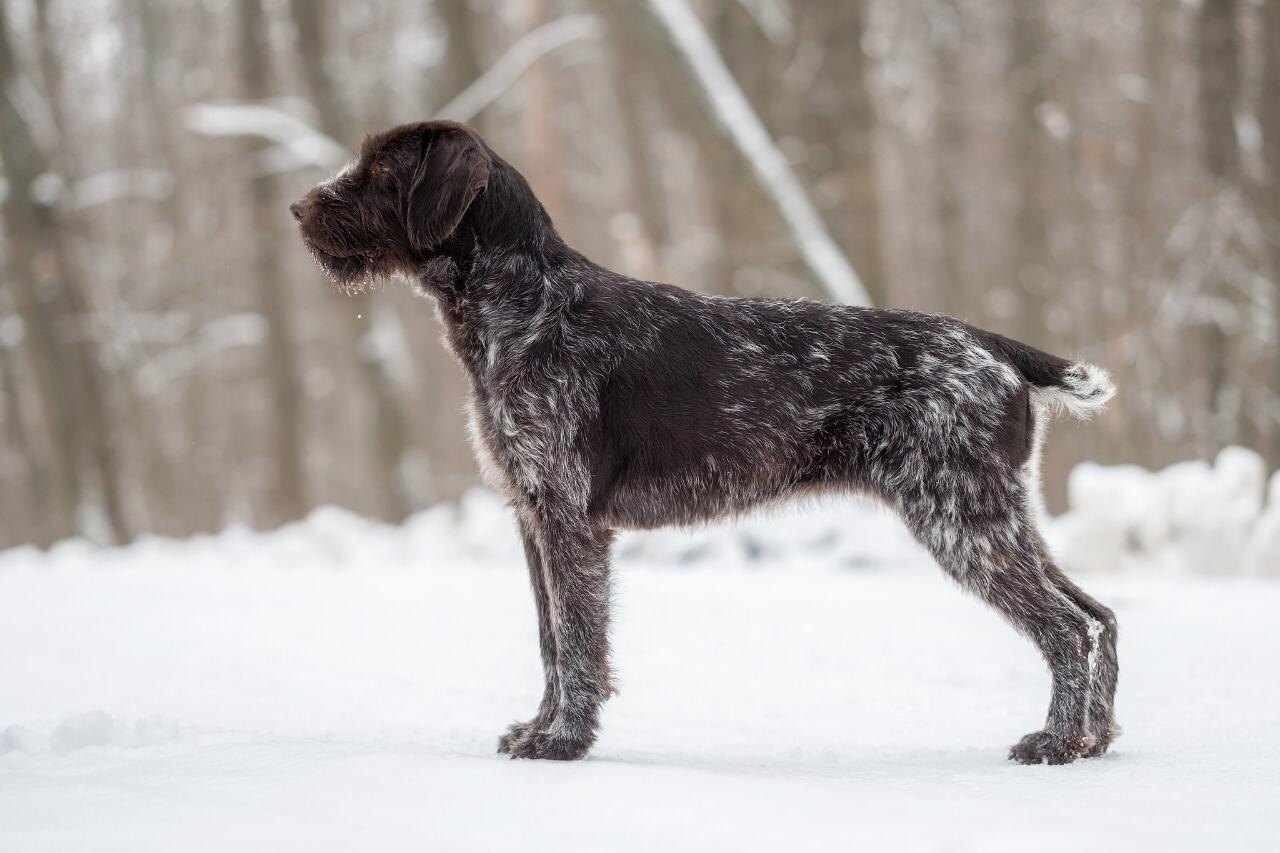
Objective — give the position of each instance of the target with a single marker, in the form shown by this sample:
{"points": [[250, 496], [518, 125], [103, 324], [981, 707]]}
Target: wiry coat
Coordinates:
{"points": [[600, 402]]}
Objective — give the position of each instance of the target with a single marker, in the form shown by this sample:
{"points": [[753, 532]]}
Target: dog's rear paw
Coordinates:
{"points": [[516, 733], [523, 740], [1102, 741], [1054, 748]]}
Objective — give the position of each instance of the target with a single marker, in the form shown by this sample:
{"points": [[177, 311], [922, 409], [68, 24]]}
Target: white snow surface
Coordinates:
{"points": [[799, 681]]}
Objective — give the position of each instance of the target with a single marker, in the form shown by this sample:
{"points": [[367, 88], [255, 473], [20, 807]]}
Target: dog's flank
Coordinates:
{"points": [[600, 403]]}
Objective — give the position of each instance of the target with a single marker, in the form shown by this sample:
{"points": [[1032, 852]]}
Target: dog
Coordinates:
{"points": [[600, 403]]}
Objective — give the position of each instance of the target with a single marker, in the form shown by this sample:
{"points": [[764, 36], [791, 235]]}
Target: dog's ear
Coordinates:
{"points": [[452, 169]]}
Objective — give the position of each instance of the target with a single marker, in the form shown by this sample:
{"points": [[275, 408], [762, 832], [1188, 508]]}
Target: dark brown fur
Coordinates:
{"points": [[600, 402]]}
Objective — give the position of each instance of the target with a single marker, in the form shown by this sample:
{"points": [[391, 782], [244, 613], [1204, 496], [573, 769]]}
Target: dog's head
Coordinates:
{"points": [[391, 209]]}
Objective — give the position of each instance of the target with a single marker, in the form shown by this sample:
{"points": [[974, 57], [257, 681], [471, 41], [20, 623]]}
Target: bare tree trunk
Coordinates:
{"points": [[98, 422], [1141, 218], [1030, 151], [32, 524], [464, 64], [644, 182], [289, 500], [542, 123], [310, 19], [68, 375], [1268, 202], [354, 317], [741, 124], [28, 262], [1217, 50], [647, 46], [840, 124], [745, 222], [182, 497], [950, 139]]}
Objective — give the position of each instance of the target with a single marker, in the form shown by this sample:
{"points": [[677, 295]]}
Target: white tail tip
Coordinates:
{"points": [[1084, 391]]}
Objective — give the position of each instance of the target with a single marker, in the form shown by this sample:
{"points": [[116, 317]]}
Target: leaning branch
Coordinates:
{"points": [[299, 145], [518, 59], [303, 144], [745, 130]]}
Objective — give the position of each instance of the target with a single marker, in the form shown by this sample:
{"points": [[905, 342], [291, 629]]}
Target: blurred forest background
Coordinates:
{"points": [[1100, 179]]}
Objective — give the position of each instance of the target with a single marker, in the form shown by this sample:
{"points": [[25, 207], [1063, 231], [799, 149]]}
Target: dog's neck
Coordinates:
{"points": [[505, 243], [504, 263]]}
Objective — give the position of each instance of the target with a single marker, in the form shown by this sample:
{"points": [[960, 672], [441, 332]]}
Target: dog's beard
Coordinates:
{"points": [[349, 273]]}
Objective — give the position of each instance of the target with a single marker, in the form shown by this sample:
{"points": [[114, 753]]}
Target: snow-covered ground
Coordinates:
{"points": [[341, 685]]}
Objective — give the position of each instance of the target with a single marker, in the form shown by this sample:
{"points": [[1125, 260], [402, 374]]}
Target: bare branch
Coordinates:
{"points": [[504, 73], [749, 136], [302, 142]]}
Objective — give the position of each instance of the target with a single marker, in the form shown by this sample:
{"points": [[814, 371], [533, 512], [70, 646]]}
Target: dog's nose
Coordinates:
{"points": [[299, 208]]}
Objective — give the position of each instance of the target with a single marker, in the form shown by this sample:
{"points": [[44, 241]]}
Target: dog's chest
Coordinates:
{"points": [[523, 433], [532, 390]]}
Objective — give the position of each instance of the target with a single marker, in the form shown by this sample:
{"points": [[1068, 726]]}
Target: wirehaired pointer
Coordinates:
{"points": [[599, 402]]}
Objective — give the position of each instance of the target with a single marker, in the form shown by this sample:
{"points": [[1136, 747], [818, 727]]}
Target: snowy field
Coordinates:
{"points": [[798, 682]]}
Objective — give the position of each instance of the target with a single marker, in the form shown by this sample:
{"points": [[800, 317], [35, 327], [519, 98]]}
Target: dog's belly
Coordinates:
{"points": [[727, 462], [693, 486], [650, 505]]}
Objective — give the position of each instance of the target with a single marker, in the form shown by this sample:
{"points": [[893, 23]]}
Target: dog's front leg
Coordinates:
{"points": [[546, 642], [575, 572]]}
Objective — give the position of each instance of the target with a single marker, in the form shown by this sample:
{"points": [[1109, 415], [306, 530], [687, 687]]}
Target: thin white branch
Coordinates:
{"points": [[300, 145], [225, 333], [504, 73], [749, 136], [305, 145], [115, 184], [773, 17], [12, 331]]}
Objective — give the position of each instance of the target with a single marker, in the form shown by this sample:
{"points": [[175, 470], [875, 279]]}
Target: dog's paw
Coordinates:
{"points": [[524, 741], [518, 732], [1054, 748], [1102, 741]]}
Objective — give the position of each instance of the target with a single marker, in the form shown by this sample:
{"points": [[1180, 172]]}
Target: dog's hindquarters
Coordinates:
{"points": [[986, 538], [976, 505]]}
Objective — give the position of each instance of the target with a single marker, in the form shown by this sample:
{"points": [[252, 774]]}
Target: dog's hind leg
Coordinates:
{"points": [[982, 534], [575, 570], [546, 642], [1104, 666]]}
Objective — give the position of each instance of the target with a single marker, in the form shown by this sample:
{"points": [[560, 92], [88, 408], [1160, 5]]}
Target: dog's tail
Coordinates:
{"points": [[1077, 388]]}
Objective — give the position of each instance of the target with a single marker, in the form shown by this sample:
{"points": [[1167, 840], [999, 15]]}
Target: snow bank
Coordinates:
{"points": [[93, 729], [1190, 518], [479, 531]]}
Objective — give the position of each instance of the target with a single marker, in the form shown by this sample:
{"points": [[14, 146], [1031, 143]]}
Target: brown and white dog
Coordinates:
{"points": [[599, 402]]}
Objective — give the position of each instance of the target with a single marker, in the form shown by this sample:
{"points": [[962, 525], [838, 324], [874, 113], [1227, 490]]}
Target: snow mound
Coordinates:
{"points": [[96, 728], [479, 531], [1189, 518]]}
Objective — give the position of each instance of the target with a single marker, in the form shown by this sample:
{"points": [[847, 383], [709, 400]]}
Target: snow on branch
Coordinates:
{"points": [[748, 134], [303, 144], [217, 336], [772, 17], [504, 73], [299, 144], [117, 184]]}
